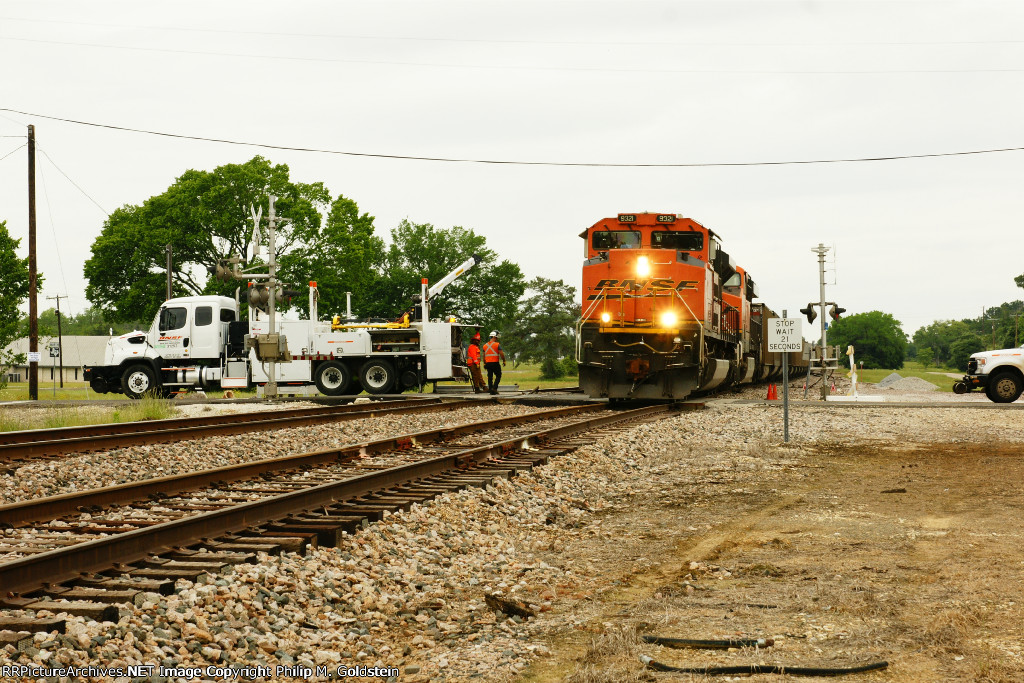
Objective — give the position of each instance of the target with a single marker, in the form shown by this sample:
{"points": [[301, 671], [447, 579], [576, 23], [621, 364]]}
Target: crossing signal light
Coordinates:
{"points": [[259, 297], [810, 313], [836, 312], [227, 269]]}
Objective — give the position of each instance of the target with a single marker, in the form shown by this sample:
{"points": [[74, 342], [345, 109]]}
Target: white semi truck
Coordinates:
{"points": [[200, 342]]}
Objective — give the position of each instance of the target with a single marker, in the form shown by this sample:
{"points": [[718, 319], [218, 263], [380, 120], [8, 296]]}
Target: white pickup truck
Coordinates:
{"points": [[1000, 373]]}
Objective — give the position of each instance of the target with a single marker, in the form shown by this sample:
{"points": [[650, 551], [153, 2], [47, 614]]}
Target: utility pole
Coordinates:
{"points": [[821, 250], [60, 339], [33, 304], [270, 391], [170, 273]]}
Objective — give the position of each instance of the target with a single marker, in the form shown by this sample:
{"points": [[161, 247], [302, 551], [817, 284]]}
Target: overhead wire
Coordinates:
{"points": [[511, 162], [514, 67], [86, 194], [24, 144], [505, 41]]}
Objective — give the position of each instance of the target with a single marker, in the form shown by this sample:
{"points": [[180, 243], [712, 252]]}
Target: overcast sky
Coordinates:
{"points": [[586, 81]]}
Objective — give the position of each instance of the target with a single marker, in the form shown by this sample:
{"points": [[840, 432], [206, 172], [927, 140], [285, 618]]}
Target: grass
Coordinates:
{"points": [[931, 374], [527, 376], [147, 408]]}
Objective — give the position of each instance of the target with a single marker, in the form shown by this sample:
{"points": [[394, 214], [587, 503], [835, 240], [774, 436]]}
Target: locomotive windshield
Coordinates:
{"points": [[681, 241], [616, 239]]}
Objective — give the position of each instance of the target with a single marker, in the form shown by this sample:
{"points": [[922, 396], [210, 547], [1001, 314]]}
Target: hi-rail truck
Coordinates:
{"points": [[199, 342]]}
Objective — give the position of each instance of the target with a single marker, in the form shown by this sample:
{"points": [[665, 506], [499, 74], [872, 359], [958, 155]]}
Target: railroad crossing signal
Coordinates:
{"points": [[836, 312], [810, 313], [227, 269]]}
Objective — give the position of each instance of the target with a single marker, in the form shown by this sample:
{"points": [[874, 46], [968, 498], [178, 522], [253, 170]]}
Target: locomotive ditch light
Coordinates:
{"points": [[643, 267], [836, 312], [810, 313], [606, 317], [669, 319]]}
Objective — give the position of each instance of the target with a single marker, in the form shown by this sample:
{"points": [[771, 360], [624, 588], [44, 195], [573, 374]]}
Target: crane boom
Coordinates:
{"points": [[439, 286]]}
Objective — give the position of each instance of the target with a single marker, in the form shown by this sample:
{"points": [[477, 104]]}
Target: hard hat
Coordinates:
{"points": [[494, 334], [476, 336]]}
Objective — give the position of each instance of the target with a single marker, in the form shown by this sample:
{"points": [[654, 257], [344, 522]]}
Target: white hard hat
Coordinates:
{"points": [[494, 334]]}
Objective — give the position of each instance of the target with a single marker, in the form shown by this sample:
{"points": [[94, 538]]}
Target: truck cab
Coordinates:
{"points": [[195, 328], [999, 373]]}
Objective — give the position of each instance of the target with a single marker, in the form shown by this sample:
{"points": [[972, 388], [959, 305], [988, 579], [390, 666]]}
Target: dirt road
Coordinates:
{"points": [[905, 551]]}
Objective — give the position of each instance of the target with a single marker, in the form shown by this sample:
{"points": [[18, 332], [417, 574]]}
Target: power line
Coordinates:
{"points": [[13, 151], [105, 212], [499, 41], [514, 67], [508, 162]]}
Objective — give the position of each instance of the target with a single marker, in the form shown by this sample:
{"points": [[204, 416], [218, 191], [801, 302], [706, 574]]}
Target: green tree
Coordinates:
{"points": [[343, 255], [939, 336], [14, 289], [961, 350], [487, 294], [926, 356], [545, 327], [877, 338], [204, 216]]}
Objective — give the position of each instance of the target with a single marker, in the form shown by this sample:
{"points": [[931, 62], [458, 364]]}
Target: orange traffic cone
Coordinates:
{"points": [[773, 394]]}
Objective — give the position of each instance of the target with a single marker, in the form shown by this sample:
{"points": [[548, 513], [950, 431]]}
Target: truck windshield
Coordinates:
{"points": [[616, 239], [680, 241]]}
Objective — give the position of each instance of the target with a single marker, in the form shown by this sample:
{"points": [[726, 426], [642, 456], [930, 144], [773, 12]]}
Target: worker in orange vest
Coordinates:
{"points": [[473, 360], [492, 352]]}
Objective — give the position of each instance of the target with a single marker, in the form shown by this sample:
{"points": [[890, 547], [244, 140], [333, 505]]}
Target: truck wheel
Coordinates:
{"points": [[138, 380], [1005, 387], [333, 378], [377, 376], [960, 388]]}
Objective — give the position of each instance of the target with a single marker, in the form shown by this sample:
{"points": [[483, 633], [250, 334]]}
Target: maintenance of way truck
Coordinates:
{"points": [[200, 342]]}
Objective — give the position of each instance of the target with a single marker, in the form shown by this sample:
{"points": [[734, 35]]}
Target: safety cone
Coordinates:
{"points": [[773, 395]]}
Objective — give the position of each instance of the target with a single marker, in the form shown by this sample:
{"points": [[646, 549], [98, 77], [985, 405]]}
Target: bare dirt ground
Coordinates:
{"points": [[905, 551]]}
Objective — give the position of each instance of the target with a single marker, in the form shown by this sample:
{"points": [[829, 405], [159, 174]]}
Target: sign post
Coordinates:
{"points": [[785, 336]]}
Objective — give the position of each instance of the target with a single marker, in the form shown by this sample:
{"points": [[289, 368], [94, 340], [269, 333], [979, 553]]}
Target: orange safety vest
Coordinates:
{"points": [[491, 349], [473, 353]]}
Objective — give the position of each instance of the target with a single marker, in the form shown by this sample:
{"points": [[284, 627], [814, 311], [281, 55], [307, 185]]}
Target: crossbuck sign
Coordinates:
{"points": [[785, 335]]}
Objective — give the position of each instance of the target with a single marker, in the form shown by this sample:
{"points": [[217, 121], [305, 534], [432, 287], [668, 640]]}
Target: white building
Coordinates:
{"points": [[78, 352]]}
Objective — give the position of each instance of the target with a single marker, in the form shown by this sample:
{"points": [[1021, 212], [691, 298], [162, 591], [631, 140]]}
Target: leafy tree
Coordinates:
{"points": [[204, 216], [88, 322], [925, 356], [545, 326], [961, 350], [343, 255], [487, 294], [911, 352], [877, 338], [14, 289], [939, 336]]}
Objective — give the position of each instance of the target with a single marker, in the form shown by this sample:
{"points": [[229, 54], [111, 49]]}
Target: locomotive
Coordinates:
{"points": [[666, 312]]}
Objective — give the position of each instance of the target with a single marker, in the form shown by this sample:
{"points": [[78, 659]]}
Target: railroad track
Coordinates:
{"points": [[82, 553], [20, 446]]}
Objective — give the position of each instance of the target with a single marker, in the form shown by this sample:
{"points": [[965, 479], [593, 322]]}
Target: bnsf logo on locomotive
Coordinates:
{"points": [[638, 289]]}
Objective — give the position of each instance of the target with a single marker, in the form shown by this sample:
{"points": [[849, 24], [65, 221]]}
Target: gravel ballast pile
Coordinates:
{"points": [[911, 384], [890, 379]]}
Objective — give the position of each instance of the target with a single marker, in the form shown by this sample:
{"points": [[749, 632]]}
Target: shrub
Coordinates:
{"points": [[550, 368]]}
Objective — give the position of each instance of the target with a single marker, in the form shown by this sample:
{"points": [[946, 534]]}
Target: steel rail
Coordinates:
{"points": [[42, 443], [54, 507], [63, 564]]}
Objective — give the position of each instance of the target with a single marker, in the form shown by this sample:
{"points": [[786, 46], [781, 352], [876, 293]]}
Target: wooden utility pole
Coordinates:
{"points": [[33, 307], [60, 339], [170, 273]]}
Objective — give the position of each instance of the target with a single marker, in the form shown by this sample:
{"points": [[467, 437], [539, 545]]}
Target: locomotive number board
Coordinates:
{"points": [[785, 335]]}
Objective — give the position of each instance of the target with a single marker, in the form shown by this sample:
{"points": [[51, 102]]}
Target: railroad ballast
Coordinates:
{"points": [[666, 312]]}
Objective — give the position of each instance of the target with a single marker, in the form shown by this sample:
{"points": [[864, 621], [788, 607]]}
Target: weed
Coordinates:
{"points": [[612, 657]]}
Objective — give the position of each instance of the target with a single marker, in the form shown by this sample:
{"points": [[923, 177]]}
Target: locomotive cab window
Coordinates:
{"points": [[615, 239], [733, 284], [678, 240]]}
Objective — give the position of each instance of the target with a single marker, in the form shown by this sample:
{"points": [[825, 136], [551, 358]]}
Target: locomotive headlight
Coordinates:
{"points": [[643, 267], [606, 317], [669, 319]]}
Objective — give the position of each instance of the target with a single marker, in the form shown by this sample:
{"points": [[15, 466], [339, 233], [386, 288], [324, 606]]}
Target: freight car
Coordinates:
{"points": [[666, 312]]}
